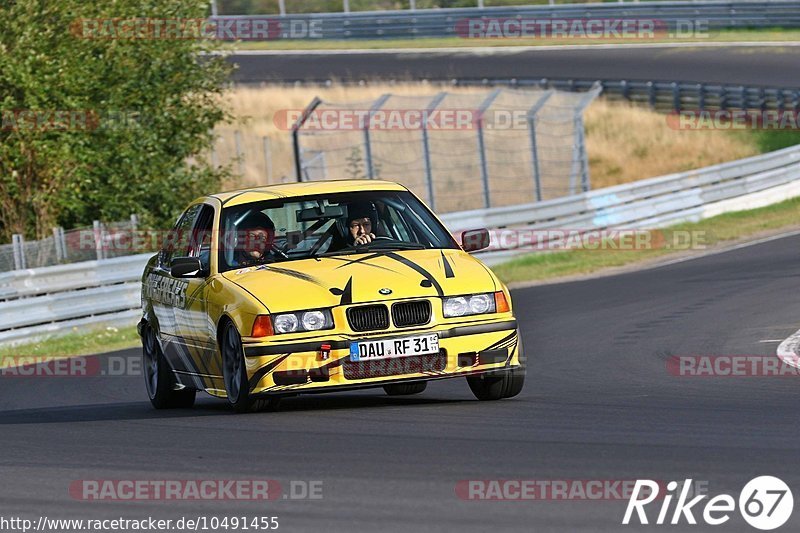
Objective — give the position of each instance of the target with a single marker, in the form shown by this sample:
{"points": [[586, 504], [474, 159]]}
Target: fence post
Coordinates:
{"points": [[214, 10], [676, 96], [237, 139], [18, 244], [267, 159], [57, 243], [282, 7], [298, 158], [487, 199], [97, 227], [580, 161], [367, 142], [426, 149], [63, 240], [412, 5], [537, 177]]}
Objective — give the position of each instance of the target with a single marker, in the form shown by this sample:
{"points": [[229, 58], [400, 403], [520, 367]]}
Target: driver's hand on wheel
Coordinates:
{"points": [[367, 238]]}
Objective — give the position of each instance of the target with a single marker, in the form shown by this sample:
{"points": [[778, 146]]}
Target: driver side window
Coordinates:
{"points": [[177, 241]]}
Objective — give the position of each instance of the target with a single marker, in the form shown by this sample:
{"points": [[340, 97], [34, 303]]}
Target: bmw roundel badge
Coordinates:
{"points": [[385, 292]]}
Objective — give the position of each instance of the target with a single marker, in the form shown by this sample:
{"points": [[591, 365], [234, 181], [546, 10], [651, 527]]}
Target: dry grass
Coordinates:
{"points": [[625, 143]]}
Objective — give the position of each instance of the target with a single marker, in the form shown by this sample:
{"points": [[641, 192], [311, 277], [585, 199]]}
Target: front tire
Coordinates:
{"points": [[159, 379], [496, 386], [234, 373], [405, 389]]}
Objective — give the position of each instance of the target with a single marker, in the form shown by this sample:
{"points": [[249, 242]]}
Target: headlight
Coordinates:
{"points": [[476, 304], [313, 320], [455, 307], [286, 323]]}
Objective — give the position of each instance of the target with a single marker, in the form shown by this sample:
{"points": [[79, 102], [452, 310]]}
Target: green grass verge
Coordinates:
{"points": [[93, 341], [753, 35], [707, 233]]}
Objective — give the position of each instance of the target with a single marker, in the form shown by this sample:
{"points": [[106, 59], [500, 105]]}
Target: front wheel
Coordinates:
{"points": [[234, 373], [496, 386], [158, 377]]}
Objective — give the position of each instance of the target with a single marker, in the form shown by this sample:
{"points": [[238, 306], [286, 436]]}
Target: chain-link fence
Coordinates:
{"points": [[459, 151], [99, 241]]}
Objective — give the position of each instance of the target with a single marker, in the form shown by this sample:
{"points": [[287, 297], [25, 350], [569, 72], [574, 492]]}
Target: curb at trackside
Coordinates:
{"points": [[788, 350]]}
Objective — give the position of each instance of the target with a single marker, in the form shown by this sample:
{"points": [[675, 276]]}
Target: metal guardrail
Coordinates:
{"points": [[667, 95], [53, 300], [650, 203], [447, 22], [38, 302]]}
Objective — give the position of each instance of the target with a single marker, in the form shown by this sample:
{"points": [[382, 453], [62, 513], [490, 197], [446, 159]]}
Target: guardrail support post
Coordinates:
{"points": [[426, 149], [487, 200], [367, 142], [537, 178], [18, 243]]}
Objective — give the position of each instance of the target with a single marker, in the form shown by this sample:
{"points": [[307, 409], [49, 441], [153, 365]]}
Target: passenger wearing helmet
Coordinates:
{"points": [[256, 240]]}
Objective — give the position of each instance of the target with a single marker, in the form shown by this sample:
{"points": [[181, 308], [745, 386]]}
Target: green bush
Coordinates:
{"points": [[138, 112]]}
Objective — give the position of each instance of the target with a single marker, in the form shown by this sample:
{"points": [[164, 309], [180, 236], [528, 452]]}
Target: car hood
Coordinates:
{"points": [[349, 279]]}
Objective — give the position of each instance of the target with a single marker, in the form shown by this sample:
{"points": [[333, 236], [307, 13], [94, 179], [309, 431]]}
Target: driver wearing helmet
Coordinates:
{"points": [[258, 238], [361, 223]]}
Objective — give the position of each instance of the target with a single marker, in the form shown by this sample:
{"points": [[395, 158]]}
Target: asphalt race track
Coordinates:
{"points": [[747, 65], [599, 404]]}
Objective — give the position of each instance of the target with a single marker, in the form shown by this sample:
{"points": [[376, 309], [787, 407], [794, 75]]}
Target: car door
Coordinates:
{"points": [[172, 295], [195, 331]]}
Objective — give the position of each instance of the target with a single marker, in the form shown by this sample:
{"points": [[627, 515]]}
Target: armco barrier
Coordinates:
{"points": [[427, 23], [649, 203], [54, 300], [39, 302]]}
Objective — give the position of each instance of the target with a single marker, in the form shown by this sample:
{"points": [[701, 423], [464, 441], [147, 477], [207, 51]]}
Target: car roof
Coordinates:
{"points": [[289, 190]]}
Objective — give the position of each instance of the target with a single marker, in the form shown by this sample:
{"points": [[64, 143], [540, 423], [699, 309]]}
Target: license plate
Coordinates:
{"points": [[389, 348]]}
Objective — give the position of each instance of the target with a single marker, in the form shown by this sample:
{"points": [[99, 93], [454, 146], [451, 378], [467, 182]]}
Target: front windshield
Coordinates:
{"points": [[334, 224]]}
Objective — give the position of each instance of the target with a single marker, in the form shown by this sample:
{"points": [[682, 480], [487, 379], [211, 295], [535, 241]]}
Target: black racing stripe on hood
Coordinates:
{"points": [[448, 269], [348, 262], [411, 264], [346, 293], [264, 370], [294, 274]]}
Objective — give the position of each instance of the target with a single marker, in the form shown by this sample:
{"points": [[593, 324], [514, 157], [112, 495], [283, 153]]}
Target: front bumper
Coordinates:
{"points": [[304, 366]]}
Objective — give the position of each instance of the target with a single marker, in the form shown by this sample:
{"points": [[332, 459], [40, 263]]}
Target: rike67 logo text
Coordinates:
{"points": [[765, 503]]}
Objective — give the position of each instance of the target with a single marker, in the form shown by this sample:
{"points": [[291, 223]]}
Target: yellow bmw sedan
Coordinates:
{"points": [[271, 292]]}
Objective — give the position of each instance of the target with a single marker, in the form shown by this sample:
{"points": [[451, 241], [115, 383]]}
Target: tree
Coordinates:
{"points": [[97, 125]]}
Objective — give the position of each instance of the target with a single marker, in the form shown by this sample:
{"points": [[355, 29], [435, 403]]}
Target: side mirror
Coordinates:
{"points": [[475, 240], [186, 267]]}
